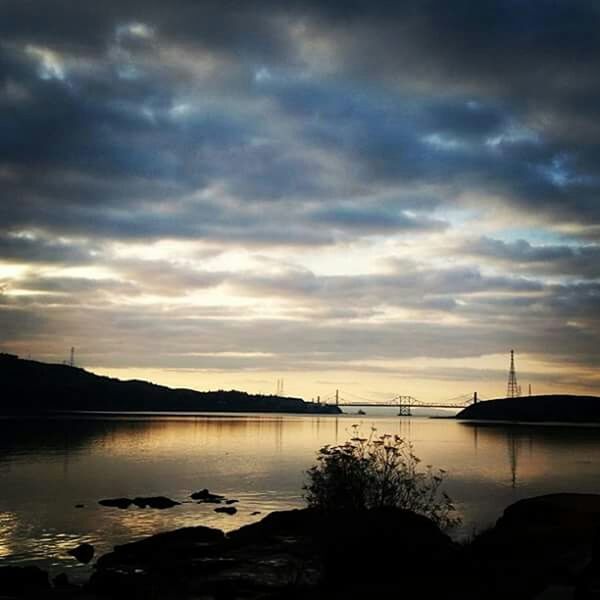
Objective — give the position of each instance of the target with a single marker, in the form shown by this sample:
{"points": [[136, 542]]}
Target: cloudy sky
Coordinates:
{"points": [[378, 197]]}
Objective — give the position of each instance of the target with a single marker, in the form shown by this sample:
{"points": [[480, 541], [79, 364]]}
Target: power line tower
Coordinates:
{"points": [[279, 387], [513, 389], [72, 357]]}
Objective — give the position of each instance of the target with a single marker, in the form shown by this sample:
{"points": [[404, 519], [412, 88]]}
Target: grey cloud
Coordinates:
{"points": [[581, 261], [15, 248], [303, 124], [315, 345]]}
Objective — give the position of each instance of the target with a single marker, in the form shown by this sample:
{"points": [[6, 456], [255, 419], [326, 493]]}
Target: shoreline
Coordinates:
{"points": [[303, 553]]}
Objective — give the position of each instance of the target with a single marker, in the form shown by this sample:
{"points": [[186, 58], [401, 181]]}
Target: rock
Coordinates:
{"points": [[231, 501], [372, 544], [588, 582], [23, 582], [202, 562], [121, 584], [61, 582], [205, 496], [297, 522], [163, 547], [287, 555], [79, 505], [83, 553], [537, 543], [228, 510], [116, 502], [545, 528], [159, 502], [254, 513]]}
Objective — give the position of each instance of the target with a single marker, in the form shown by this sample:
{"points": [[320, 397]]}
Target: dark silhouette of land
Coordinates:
{"points": [[31, 387], [552, 408]]}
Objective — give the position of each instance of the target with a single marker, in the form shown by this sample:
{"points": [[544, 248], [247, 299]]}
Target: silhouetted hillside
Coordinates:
{"points": [[30, 387], [566, 408]]}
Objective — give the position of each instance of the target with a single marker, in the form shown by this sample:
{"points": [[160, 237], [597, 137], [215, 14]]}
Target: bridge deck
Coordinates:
{"points": [[397, 404]]}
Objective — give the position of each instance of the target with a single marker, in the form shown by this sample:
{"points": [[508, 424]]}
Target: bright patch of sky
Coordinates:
{"points": [[50, 65]]}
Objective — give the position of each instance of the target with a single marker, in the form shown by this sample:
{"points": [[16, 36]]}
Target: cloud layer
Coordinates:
{"points": [[303, 186]]}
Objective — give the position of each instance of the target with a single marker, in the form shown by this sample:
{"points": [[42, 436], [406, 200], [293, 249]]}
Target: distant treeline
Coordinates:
{"points": [[30, 387]]}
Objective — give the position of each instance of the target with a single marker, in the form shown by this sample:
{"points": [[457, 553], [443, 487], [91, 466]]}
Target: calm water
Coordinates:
{"points": [[47, 467]]}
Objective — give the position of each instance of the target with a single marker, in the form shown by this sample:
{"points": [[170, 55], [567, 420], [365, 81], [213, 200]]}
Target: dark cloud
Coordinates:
{"points": [[284, 127], [93, 121], [28, 249], [579, 261]]}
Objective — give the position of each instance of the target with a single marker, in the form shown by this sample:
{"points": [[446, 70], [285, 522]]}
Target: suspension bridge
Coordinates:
{"points": [[404, 403]]}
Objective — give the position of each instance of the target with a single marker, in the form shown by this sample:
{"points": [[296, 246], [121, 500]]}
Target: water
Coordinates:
{"points": [[49, 466]]}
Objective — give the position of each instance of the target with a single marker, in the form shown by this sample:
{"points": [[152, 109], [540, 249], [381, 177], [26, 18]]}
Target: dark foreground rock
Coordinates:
{"points": [[170, 547], [538, 546], [23, 582], [299, 553], [83, 553], [538, 543]]}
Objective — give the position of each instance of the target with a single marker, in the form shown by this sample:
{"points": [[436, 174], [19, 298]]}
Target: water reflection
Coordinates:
{"points": [[46, 467]]}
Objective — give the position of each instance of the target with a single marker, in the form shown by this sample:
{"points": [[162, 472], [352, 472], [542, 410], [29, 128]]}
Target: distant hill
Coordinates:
{"points": [[30, 387], [557, 408]]}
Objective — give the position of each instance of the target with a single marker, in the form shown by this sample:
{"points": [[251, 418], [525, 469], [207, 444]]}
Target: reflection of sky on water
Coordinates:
{"points": [[46, 467]]}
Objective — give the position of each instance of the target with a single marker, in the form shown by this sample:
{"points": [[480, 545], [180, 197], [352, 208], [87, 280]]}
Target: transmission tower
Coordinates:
{"points": [[72, 357], [279, 387], [513, 389]]}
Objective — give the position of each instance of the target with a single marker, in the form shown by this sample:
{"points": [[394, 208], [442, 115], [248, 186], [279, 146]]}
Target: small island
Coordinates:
{"points": [[556, 408], [31, 387]]}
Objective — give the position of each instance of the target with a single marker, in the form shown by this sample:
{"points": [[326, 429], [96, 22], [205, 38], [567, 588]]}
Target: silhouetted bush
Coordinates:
{"points": [[375, 472]]}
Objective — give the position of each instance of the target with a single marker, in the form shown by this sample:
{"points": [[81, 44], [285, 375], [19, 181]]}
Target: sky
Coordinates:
{"points": [[378, 197]]}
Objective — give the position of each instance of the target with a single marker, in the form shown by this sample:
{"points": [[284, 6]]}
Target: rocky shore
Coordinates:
{"points": [[545, 548]]}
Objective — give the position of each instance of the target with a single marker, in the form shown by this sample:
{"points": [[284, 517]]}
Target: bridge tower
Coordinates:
{"points": [[404, 406], [512, 390]]}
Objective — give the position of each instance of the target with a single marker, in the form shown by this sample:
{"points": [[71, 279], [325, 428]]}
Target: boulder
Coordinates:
{"points": [[537, 543], [285, 523], [83, 553], [23, 582], [159, 502], [373, 545], [288, 554], [588, 583], [180, 544], [61, 583], [120, 584], [206, 496], [116, 502], [228, 510]]}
